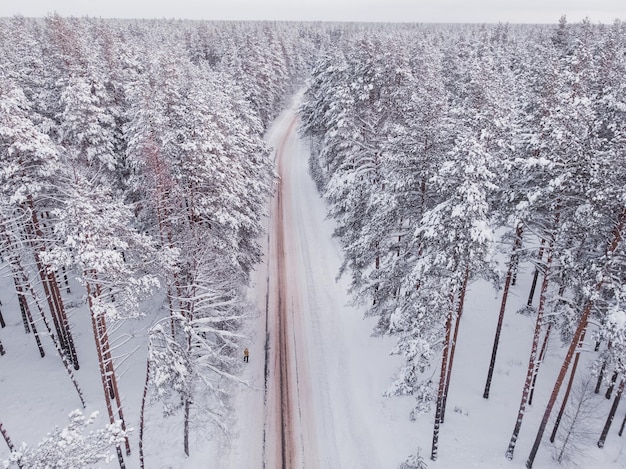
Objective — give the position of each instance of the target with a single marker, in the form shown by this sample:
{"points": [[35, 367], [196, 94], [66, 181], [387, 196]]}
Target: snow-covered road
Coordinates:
{"points": [[317, 376]]}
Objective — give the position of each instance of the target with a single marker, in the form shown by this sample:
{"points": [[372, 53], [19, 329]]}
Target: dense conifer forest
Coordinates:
{"points": [[133, 166]]}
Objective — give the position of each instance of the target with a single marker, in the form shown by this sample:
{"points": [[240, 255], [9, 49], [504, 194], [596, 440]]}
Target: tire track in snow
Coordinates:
{"points": [[282, 399]]}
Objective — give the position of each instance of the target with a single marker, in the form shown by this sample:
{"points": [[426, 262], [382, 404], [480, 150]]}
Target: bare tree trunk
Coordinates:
{"points": [[2, 323], [20, 302], [103, 373], [609, 389], [442, 385], [532, 358], [52, 292], [2, 351], [142, 414], [582, 326], [505, 294], [542, 356], [535, 275], [621, 428], [18, 270], [459, 312], [8, 441], [557, 422], [609, 419], [186, 428], [25, 309]]}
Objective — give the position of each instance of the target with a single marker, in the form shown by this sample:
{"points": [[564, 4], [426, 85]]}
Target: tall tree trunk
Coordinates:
{"points": [[18, 271], [109, 366], [52, 292], [609, 389], [582, 326], [533, 356], [103, 372], [609, 419], [2, 323], [459, 312], [142, 421], [568, 389], [186, 427], [542, 356], [8, 441], [20, 302], [25, 309], [505, 295], [442, 385], [533, 285]]}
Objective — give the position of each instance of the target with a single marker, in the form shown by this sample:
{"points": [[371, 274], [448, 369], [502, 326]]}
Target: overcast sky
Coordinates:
{"points": [[423, 11]]}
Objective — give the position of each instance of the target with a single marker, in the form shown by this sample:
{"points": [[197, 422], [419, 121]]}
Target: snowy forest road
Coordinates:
{"points": [[284, 429], [315, 399]]}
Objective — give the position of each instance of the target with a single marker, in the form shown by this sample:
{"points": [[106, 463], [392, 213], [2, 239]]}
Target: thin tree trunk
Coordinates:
{"points": [[142, 421], [505, 294], [568, 389], [20, 302], [109, 367], [186, 428], [2, 323], [8, 441], [52, 292], [609, 419], [2, 351], [442, 384], [542, 356], [600, 378], [19, 270], [582, 326], [459, 312], [533, 356], [103, 377], [609, 389], [621, 428], [27, 314], [533, 285]]}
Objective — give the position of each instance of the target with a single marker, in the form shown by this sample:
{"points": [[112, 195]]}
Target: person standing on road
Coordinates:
{"points": [[246, 354]]}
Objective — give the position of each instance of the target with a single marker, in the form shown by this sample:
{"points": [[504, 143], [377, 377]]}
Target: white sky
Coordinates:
{"points": [[423, 11]]}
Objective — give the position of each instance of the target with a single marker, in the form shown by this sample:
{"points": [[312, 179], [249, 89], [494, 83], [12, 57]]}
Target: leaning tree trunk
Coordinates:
{"points": [[542, 356], [609, 389], [25, 310], [533, 285], [19, 271], [103, 368], [533, 356], [559, 416], [142, 422], [442, 384], [459, 312], [609, 419], [51, 290], [505, 294], [582, 326], [8, 441]]}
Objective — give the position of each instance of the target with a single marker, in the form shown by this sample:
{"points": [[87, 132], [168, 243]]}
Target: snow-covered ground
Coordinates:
{"points": [[338, 418]]}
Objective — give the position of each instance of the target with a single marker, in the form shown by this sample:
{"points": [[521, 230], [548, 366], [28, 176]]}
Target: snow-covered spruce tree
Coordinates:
{"points": [[70, 446]]}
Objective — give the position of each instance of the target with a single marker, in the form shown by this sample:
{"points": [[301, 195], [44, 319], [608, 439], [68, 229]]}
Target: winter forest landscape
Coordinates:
{"points": [[312, 244]]}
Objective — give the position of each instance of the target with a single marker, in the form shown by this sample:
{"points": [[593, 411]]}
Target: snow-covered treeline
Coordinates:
{"points": [[132, 160], [454, 153]]}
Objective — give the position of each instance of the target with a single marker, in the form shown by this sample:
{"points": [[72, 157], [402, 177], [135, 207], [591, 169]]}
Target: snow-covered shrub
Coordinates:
{"points": [[70, 447]]}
